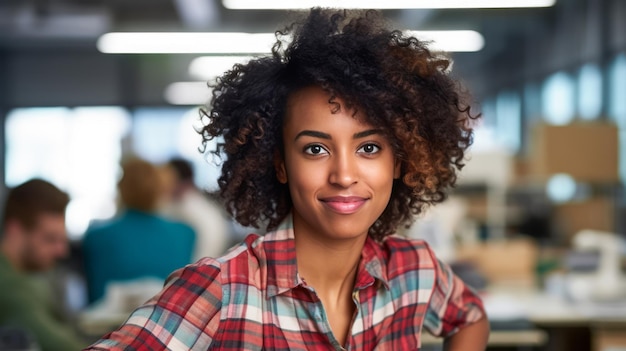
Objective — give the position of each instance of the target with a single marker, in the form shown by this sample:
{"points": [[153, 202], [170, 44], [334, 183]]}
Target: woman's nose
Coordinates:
{"points": [[344, 170]]}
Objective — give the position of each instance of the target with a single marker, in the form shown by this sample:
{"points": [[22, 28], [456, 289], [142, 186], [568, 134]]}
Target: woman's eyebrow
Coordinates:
{"points": [[314, 134], [317, 134], [366, 133]]}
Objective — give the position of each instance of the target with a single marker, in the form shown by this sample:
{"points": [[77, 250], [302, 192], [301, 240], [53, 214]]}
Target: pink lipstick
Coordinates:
{"points": [[344, 204]]}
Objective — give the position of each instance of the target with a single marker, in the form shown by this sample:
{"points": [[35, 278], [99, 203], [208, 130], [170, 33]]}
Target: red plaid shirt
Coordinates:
{"points": [[253, 299]]}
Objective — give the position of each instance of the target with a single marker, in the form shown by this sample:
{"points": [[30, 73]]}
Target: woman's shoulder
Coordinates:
{"points": [[239, 258], [407, 254]]}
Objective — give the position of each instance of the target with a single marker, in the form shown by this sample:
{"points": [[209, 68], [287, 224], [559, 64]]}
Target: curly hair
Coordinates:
{"points": [[401, 87]]}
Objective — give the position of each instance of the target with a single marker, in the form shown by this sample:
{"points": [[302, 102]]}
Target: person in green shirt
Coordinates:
{"points": [[32, 240]]}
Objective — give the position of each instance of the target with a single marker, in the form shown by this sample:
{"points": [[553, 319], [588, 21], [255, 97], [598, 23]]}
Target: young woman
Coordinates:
{"points": [[333, 142]]}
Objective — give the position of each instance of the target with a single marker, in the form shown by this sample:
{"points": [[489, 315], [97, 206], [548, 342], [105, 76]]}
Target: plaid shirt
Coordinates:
{"points": [[253, 299]]}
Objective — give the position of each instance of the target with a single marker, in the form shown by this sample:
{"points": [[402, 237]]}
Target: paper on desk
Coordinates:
{"points": [[503, 307], [615, 309]]}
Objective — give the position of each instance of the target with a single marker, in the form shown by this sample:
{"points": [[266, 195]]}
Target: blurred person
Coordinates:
{"points": [[189, 204], [33, 240], [138, 243]]}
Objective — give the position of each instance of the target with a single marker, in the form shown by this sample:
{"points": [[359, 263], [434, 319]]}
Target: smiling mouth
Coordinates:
{"points": [[344, 205]]}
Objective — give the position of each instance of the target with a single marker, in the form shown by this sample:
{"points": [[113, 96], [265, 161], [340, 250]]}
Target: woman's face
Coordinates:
{"points": [[339, 170]]}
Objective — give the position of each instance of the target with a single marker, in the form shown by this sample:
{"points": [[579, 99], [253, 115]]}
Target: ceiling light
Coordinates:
{"points": [[381, 4], [247, 43], [187, 93], [185, 43], [209, 67]]}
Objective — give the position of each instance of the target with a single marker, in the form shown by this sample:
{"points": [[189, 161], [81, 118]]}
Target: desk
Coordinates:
{"points": [[545, 312], [539, 307], [606, 321], [503, 338]]}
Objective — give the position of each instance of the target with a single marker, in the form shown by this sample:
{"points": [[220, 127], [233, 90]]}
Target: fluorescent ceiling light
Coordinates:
{"points": [[187, 93], [381, 4], [246, 43], [451, 40], [209, 67], [185, 43]]}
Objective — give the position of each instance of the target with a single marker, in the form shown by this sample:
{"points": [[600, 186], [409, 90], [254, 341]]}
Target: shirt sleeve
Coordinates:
{"points": [[453, 304], [185, 315]]}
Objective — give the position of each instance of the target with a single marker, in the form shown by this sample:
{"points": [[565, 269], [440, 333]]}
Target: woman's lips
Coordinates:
{"points": [[344, 205]]}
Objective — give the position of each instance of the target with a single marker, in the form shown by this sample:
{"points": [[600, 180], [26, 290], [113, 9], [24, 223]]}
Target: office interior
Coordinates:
{"points": [[537, 221]]}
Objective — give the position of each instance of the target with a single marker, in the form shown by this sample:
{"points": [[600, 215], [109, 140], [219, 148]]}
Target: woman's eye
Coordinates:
{"points": [[369, 148], [314, 150]]}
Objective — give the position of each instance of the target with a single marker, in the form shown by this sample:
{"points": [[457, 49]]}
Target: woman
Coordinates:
{"points": [[334, 142]]}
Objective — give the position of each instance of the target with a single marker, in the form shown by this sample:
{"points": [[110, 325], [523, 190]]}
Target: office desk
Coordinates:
{"points": [[605, 321], [503, 338], [539, 307], [548, 316]]}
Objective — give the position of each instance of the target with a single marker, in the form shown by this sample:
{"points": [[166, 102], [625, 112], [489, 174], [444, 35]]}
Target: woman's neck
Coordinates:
{"points": [[330, 266]]}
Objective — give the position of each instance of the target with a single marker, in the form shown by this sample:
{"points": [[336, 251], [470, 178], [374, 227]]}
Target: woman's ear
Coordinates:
{"points": [[397, 169], [279, 166]]}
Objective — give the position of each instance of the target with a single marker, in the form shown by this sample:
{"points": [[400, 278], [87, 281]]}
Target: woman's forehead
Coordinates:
{"points": [[314, 98]]}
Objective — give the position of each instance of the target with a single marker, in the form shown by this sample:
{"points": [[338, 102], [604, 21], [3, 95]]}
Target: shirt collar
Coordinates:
{"points": [[373, 265], [282, 271]]}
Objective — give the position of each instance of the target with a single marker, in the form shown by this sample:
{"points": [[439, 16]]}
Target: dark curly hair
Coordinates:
{"points": [[400, 86]]}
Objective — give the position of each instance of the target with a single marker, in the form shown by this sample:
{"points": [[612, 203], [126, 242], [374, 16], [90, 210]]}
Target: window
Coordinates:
{"points": [[78, 150], [161, 133], [485, 138], [557, 99], [617, 105], [617, 91], [500, 126], [509, 120], [589, 92]]}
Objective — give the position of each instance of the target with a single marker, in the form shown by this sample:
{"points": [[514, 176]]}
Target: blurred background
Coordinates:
{"points": [[537, 222]]}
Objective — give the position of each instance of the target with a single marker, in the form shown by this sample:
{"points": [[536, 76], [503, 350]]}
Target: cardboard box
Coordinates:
{"points": [[510, 261], [596, 213], [587, 151]]}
